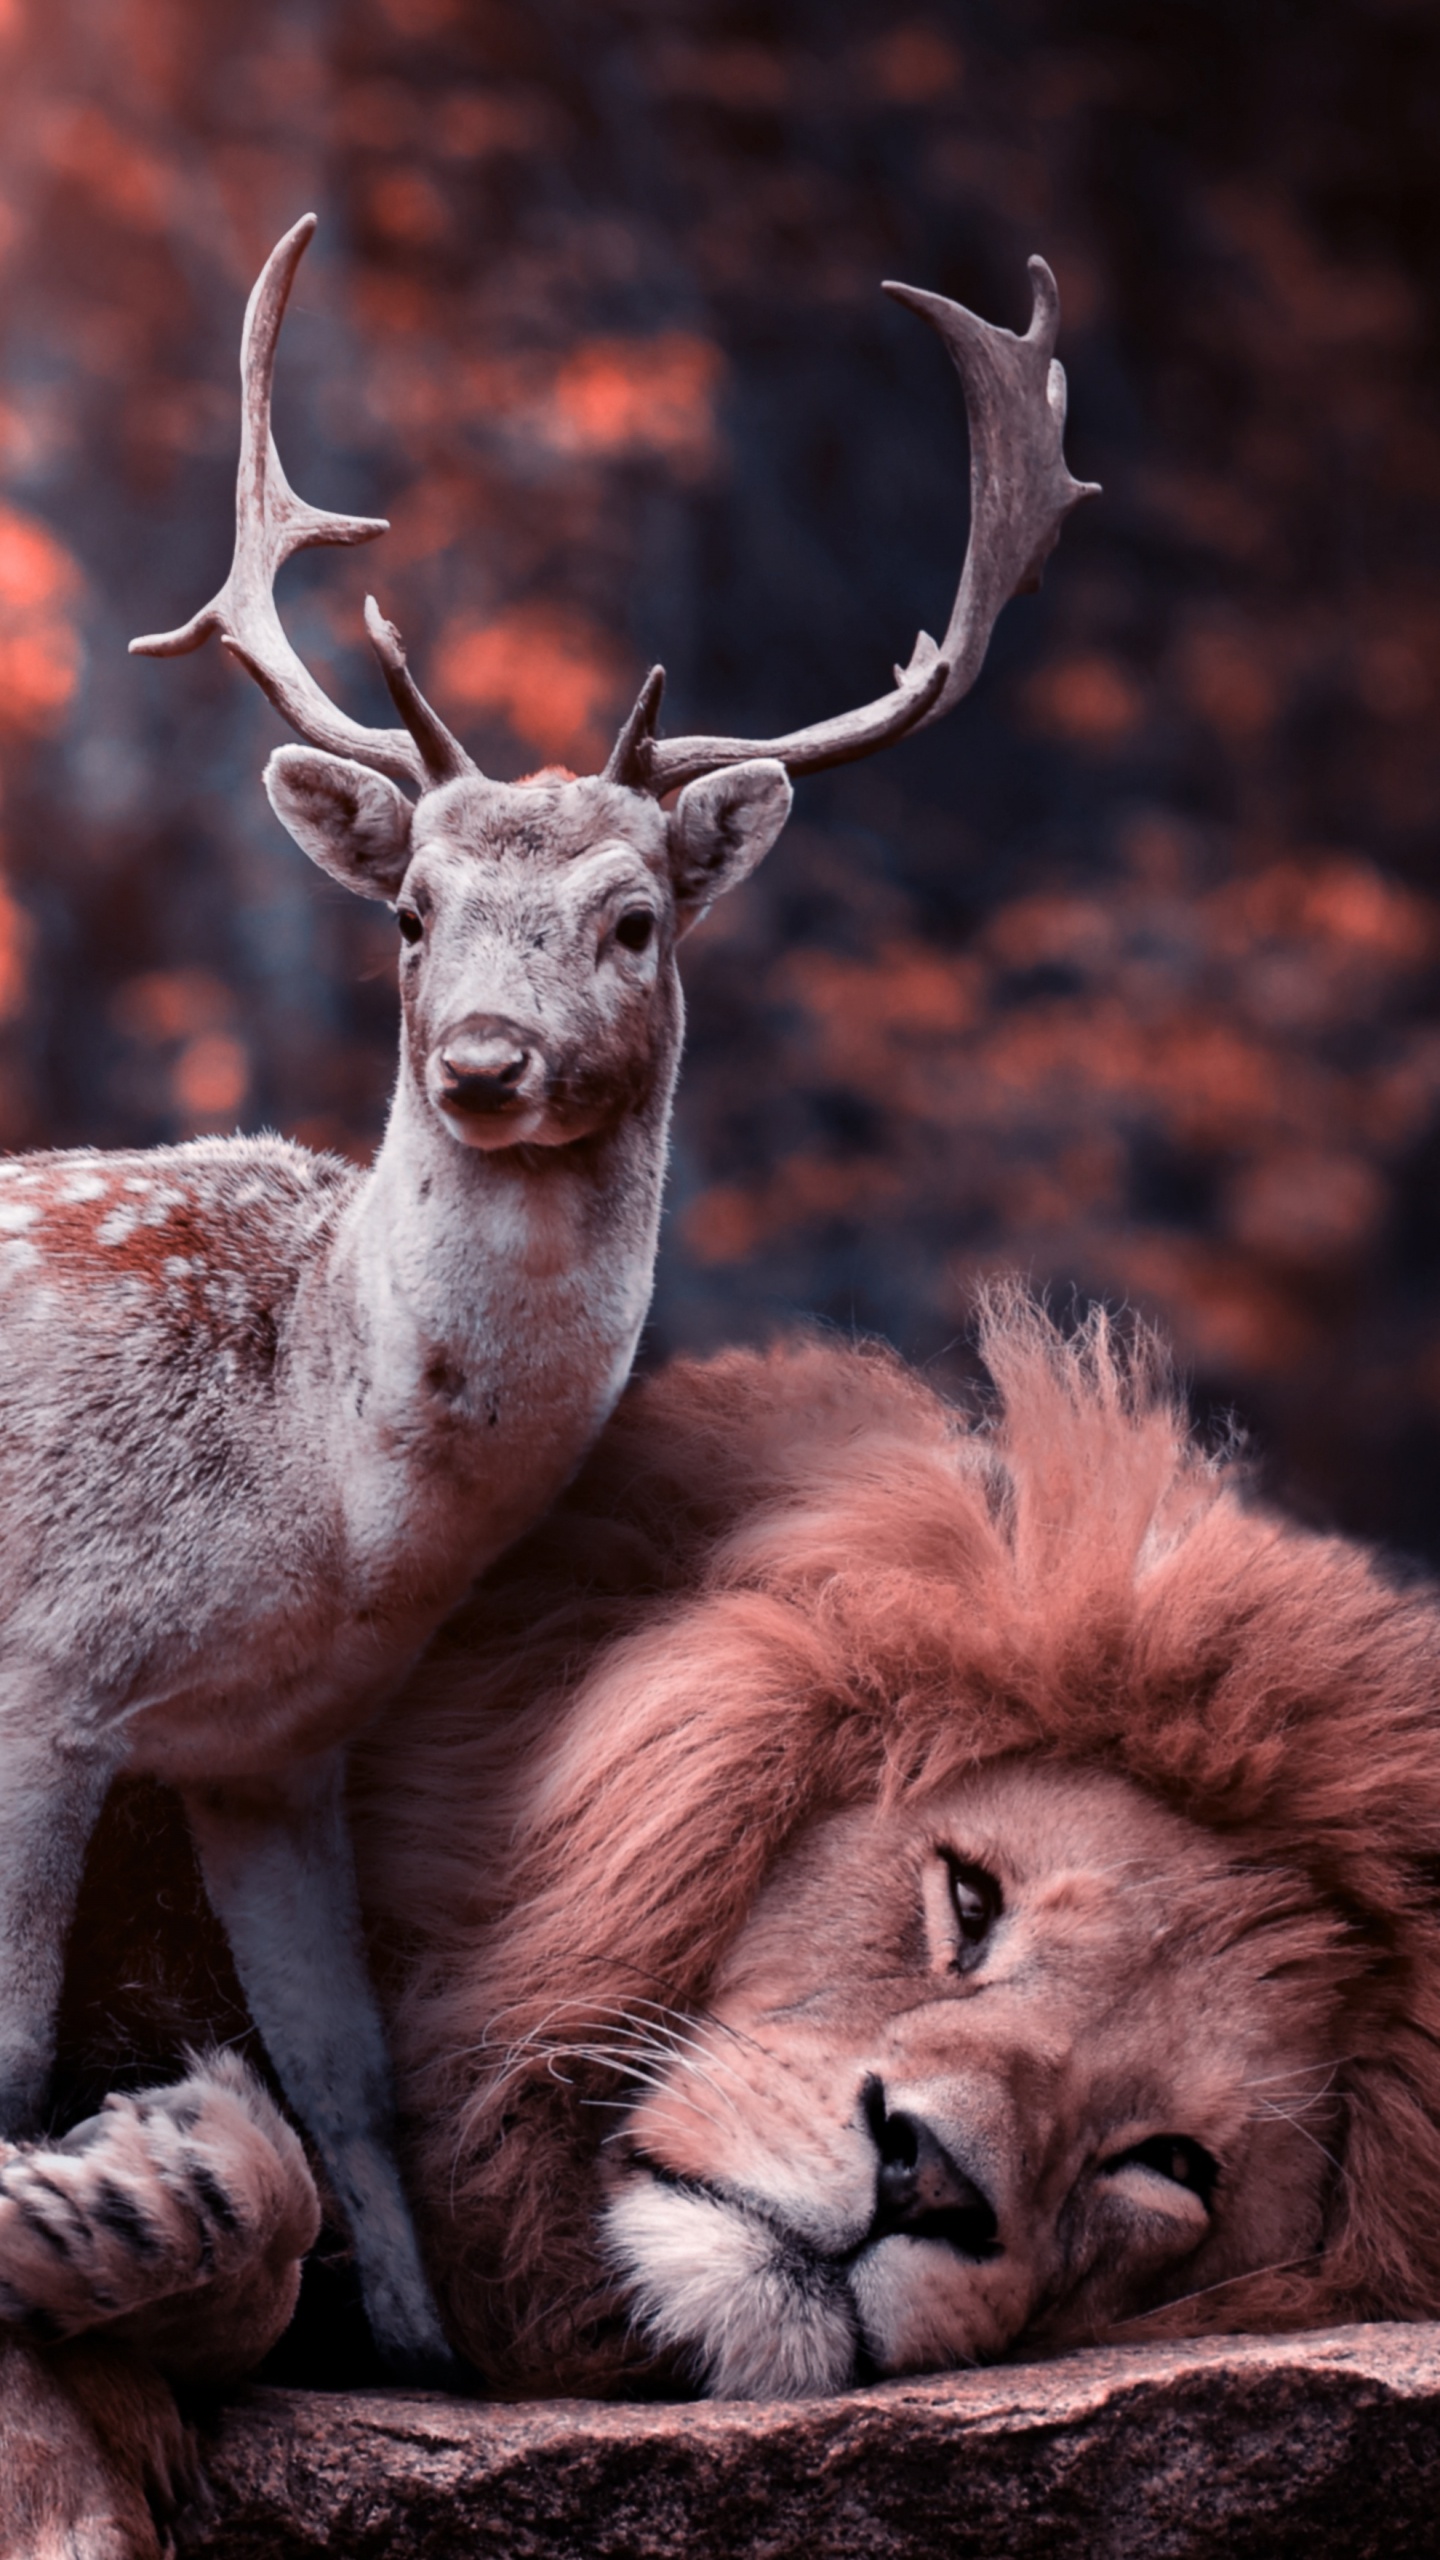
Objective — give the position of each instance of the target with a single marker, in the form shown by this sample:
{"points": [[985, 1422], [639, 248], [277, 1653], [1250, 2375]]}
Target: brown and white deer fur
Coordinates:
{"points": [[264, 1417]]}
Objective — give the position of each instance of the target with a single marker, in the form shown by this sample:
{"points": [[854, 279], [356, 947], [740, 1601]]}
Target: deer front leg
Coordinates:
{"points": [[50, 1799], [280, 1874]]}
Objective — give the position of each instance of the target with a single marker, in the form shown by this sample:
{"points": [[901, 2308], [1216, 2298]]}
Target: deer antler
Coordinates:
{"points": [[1020, 494], [271, 524]]}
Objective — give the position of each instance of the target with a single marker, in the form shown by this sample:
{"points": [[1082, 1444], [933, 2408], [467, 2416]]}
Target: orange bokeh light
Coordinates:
{"points": [[40, 648], [131, 183], [171, 1004], [14, 951], [548, 672], [1090, 699], [211, 1077], [640, 395]]}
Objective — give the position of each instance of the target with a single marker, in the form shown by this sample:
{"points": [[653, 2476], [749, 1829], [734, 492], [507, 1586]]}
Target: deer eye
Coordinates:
{"points": [[977, 1902], [411, 925], [635, 928]]}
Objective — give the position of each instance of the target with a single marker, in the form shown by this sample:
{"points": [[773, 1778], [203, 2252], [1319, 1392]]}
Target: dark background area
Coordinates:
{"points": [[1129, 975]]}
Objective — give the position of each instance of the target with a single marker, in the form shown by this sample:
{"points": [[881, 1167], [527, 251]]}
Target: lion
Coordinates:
{"points": [[866, 1888]]}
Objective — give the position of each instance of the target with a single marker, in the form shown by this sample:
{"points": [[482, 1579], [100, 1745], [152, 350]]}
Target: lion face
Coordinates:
{"points": [[1019, 2063], [868, 1889]]}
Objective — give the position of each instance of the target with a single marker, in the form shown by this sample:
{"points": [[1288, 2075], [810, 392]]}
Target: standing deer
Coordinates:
{"points": [[264, 1417]]}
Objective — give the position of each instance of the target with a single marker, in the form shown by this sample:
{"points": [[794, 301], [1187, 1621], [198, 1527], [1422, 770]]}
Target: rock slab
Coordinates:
{"points": [[1251, 2448]]}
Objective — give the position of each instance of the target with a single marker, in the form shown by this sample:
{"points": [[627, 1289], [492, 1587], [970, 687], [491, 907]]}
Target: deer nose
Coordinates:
{"points": [[482, 1066], [919, 2188]]}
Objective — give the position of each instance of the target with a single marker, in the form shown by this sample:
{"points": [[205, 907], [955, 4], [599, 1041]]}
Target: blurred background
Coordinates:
{"points": [[1129, 974]]}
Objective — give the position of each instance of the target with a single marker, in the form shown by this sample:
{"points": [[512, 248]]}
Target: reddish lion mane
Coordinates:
{"points": [[792, 1580]]}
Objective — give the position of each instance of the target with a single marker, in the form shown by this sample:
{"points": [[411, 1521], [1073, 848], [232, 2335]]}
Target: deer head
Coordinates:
{"points": [[539, 918]]}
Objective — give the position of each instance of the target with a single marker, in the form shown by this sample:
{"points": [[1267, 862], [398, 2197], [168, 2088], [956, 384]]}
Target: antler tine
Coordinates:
{"points": [[271, 525], [627, 757], [1020, 494], [1021, 489], [443, 757]]}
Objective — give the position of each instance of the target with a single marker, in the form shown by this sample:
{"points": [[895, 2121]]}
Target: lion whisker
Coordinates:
{"points": [[651, 2060], [684, 2045], [1273, 2114], [1158, 2310], [1327, 2072]]}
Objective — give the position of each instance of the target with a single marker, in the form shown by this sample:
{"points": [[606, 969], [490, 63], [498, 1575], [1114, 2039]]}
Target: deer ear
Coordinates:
{"points": [[354, 823], [720, 827]]}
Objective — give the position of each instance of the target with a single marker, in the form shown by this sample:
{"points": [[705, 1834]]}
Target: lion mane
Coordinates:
{"points": [[799, 1580]]}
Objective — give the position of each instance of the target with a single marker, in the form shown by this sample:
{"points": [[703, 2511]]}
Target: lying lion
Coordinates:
{"points": [[859, 1891]]}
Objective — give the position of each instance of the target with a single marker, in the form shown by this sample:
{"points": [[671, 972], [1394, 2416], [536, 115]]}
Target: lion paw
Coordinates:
{"points": [[176, 2218]]}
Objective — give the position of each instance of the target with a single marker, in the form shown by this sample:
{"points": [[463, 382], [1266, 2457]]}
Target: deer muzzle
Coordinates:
{"points": [[489, 1078]]}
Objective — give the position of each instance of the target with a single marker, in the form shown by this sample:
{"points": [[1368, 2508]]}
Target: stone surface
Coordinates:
{"points": [[1321, 2445]]}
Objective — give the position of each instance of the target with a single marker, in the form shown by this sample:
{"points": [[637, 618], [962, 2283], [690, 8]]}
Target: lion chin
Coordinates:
{"points": [[1032, 2053], [865, 1888]]}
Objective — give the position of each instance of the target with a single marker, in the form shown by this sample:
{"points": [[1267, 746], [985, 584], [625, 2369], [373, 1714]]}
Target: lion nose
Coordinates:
{"points": [[482, 1066], [919, 2188]]}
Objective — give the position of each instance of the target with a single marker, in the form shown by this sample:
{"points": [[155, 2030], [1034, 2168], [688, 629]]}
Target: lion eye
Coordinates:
{"points": [[977, 1902], [1173, 2155]]}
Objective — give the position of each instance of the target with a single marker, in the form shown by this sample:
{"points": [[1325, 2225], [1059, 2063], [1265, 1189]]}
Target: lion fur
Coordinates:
{"points": [[798, 1579]]}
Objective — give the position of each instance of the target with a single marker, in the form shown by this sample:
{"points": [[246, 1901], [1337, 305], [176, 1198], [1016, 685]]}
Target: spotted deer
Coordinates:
{"points": [[264, 1416]]}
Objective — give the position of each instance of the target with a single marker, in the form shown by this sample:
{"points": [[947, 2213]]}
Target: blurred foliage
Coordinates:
{"points": [[1130, 974]]}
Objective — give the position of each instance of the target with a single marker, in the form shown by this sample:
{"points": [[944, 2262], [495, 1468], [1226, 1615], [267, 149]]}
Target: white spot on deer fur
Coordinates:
{"points": [[118, 1227], [16, 1214], [17, 1257], [137, 1182], [83, 1186]]}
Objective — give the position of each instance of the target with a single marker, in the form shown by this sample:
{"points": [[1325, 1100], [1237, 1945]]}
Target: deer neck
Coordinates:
{"points": [[486, 1307], [454, 1241]]}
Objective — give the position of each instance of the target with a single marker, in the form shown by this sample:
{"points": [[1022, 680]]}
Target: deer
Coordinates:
{"points": [[265, 1415]]}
